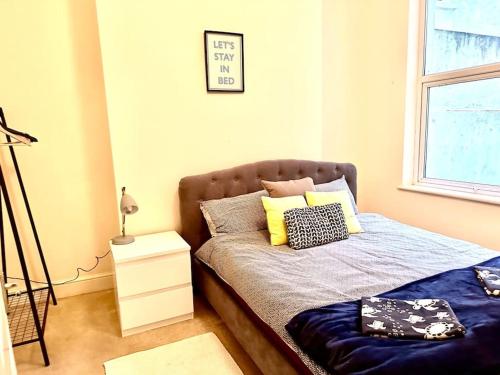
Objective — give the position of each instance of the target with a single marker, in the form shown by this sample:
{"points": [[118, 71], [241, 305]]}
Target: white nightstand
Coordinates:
{"points": [[152, 282]]}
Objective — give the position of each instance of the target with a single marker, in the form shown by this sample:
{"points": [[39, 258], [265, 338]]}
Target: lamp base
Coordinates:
{"points": [[122, 240]]}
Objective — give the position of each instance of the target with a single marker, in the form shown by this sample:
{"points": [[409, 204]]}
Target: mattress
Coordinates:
{"points": [[278, 282]]}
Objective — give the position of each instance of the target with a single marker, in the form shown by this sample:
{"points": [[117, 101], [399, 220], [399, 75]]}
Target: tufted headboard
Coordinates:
{"points": [[245, 179]]}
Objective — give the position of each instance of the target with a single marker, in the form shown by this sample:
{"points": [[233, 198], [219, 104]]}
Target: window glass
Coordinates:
{"points": [[461, 34], [463, 132]]}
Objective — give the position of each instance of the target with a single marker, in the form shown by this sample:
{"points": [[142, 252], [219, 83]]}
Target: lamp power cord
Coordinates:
{"points": [[78, 270]]}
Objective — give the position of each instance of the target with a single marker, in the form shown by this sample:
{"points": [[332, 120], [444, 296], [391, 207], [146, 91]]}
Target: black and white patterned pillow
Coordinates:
{"points": [[314, 226]]}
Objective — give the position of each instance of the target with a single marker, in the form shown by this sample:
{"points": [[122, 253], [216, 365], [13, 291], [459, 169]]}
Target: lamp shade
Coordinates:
{"points": [[128, 205]]}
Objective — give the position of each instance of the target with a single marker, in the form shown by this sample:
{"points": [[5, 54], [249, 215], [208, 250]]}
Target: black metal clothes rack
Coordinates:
{"points": [[27, 310]]}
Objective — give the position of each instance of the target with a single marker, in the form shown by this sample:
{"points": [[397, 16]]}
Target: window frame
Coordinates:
{"points": [[418, 86]]}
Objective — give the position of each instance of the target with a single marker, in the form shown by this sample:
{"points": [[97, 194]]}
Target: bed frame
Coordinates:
{"points": [[269, 352]]}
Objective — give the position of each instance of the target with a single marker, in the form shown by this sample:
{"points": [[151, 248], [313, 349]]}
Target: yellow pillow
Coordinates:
{"points": [[318, 198], [275, 212]]}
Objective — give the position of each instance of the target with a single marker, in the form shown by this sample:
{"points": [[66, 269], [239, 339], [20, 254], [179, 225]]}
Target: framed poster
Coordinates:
{"points": [[224, 61]]}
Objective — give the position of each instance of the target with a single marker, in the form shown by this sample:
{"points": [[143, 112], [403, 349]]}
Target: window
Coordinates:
{"points": [[456, 122]]}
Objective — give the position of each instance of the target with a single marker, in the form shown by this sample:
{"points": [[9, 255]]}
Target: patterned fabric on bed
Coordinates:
{"points": [[278, 282], [429, 319], [489, 278], [314, 226], [243, 213]]}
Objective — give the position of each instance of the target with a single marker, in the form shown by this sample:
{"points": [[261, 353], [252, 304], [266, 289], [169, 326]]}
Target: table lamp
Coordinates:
{"points": [[127, 207]]}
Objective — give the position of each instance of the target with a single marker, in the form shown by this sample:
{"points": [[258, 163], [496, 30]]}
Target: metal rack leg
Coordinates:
{"points": [[32, 221], [22, 260], [30, 215], [2, 243]]}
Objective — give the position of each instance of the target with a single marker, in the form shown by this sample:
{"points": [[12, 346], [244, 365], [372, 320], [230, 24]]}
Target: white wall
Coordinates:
{"points": [[163, 123]]}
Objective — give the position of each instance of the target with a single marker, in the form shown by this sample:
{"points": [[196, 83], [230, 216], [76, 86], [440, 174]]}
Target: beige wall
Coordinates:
{"points": [[52, 87], [163, 123], [365, 47], [346, 106]]}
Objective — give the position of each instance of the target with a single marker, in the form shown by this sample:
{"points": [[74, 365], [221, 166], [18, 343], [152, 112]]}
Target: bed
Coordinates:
{"points": [[256, 288]]}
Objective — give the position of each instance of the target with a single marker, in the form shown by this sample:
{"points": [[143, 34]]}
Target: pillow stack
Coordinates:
{"points": [[296, 212], [323, 216]]}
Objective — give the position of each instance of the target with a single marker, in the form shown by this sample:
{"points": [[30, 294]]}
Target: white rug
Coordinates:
{"points": [[203, 354]]}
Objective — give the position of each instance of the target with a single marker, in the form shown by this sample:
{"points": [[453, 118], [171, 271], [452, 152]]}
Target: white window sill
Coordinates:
{"points": [[478, 197]]}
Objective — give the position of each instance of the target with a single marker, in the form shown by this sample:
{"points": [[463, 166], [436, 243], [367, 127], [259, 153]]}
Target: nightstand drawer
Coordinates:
{"points": [[142, 310], [152, 274]]}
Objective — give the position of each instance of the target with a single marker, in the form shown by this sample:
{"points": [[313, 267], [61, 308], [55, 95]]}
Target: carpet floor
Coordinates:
{"points": [[83, 332]]}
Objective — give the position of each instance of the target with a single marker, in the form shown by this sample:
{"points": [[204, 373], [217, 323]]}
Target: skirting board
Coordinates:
{"points": [[84, 284]]}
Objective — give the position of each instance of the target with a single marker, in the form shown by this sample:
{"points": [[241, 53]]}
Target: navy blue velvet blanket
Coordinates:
{"points": [[331, 335]]}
